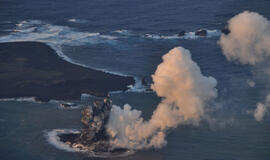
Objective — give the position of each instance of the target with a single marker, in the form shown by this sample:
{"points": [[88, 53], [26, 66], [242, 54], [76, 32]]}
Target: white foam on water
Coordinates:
{"points": [[111, 155], [213, 33], [35, 30], [115, 92], [123, 32], [28, 30], [188, 35], [20, 99], [21, 23], [137, 87], [77, 106], [74, 20], [53, 139], [108, 37], [153, 36], [56, 36]]}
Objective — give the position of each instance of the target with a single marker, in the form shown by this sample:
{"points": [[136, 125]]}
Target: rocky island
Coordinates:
{"points": [[33, 69], [93, 138]]}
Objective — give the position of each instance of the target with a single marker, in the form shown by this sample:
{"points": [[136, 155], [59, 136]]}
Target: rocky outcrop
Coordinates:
{"points": [[226, 30], [146, 81], [201, 32], [93, 136], [94, 119], [181, 33]]}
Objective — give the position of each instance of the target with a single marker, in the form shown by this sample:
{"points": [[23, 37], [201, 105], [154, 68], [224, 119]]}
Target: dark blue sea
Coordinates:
{"points": [[129, 37]]}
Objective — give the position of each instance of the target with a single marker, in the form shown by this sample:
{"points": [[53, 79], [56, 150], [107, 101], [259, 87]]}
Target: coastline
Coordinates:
{"points": [[33, 69]]}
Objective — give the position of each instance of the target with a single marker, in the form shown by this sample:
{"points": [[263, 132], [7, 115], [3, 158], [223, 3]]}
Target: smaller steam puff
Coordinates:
{"points": [[261, 109], [249, 38]]}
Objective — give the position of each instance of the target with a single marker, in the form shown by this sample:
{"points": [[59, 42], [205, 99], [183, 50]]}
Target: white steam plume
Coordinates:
{"points": [[251, 83], [249, 39], [262, 109], [185, 92], [248, 43], [259, 112]]}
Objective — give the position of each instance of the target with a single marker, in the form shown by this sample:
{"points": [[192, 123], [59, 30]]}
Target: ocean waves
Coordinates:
{"points": [[75, 20], [57, 36], [188, 35], [20, 99], [53, 138], [35, 30]]}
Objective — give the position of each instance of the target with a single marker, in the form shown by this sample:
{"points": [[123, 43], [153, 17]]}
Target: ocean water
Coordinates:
{"points": [[129, 38]]}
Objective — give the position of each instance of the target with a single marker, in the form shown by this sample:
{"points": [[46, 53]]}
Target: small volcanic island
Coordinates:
{"points": [[93, 138], [33, 69]]}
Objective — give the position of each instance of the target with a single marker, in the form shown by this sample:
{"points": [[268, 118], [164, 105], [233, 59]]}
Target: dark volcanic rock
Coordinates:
{"points": [[33, 69], [94, 119], [181, 34], [201, 32], [93, 136], [71, 138], [146, 81], [226, 30]]}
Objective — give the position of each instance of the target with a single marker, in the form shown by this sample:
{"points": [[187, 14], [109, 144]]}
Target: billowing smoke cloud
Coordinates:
{"points": [[248, 43], [185, 92], [249, 38], [262, 109]]}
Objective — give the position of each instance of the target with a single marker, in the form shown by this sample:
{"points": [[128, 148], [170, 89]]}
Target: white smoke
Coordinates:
{"points": [[251, 83], [248, 43], [259, 112], [185, 92], [249, 39], [262, 109]]}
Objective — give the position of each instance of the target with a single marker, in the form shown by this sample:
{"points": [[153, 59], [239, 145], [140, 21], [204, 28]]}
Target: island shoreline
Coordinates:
{"points": [[34, 69]]}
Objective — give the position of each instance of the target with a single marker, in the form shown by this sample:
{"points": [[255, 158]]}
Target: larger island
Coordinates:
{"points": [[33, 69]]}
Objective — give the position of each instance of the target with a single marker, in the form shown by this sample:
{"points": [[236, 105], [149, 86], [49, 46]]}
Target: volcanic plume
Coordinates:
{"points": [[185, 93], [249, 43]]}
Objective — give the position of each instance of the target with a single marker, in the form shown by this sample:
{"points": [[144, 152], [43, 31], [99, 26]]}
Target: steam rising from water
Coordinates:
{"points": [[185, 92], [261, 109], [248, 43], [249, 38], [188, 35], [259, 112]]}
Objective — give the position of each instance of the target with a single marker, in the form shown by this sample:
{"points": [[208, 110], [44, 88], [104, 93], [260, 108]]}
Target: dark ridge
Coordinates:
{"points": [[93, 136], [33, 69]]}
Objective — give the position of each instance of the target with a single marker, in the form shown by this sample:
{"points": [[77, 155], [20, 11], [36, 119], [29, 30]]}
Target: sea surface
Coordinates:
{"points": [[129, 38]]}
